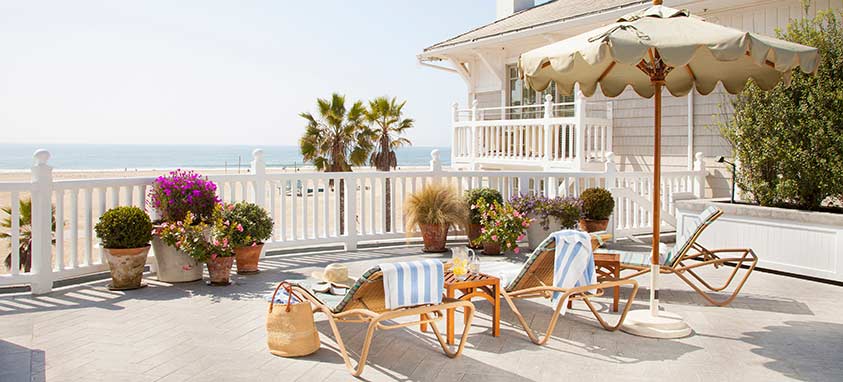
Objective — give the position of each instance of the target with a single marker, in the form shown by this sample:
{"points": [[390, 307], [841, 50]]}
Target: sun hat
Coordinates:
{"points": [[336, 274]]}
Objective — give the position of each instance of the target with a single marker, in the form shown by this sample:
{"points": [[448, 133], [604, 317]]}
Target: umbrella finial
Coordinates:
{"points": [[657, 2]]}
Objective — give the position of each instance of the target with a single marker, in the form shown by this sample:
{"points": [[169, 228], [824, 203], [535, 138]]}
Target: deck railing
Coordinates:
{"points": [[309, 209], [551, 135]]}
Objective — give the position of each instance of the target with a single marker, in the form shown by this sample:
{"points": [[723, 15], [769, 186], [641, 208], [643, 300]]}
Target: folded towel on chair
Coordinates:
{"points": [[574, 262], [413, 283]]}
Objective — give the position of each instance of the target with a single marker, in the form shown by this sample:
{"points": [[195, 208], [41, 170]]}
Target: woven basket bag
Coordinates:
{"points": [[290, 330]]}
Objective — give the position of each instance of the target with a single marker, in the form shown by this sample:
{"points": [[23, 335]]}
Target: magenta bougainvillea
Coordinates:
{"points": [[180, 192]]}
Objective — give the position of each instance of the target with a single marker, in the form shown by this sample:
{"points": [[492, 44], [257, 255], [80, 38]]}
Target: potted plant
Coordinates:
{"points": [[251, 226], [548, 214], [503, 227], [173, 197], [434, 209], [471, 198], [597, 206], [125, 233], [203, 242]]}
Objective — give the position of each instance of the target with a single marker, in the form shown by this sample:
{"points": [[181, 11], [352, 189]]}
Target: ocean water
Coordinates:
{"points": [[142, 157]]}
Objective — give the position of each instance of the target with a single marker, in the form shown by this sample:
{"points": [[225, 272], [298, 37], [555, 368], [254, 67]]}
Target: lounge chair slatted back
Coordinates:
{"points": [[685, 240]]}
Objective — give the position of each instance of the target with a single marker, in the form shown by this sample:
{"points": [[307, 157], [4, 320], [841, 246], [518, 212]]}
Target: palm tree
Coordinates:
{"points": [[388, 124], [335, 139], [24, 235]]}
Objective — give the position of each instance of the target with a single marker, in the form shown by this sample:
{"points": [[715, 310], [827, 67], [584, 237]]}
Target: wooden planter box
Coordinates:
{"points": [[801, 242]]}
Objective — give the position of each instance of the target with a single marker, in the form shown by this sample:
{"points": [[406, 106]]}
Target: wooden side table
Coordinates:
{"points": [[476, 285], [608, 267]]}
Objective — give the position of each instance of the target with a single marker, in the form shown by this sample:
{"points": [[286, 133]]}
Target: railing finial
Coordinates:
{"points": [[41, 157]]}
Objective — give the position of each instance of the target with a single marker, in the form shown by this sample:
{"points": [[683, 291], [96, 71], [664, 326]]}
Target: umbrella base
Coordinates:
{"points": [[666, 325]]}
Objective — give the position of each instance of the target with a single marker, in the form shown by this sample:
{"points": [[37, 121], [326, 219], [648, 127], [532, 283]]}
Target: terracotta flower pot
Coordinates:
{"points": [[126, 267], [434, 237], [247, 258], [174, 266], [589, 225], [473, 234], [219, 269], [491, 248]]}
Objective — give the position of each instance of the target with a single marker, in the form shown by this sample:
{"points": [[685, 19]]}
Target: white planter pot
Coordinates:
{"points": [[174, 266], [800, 242], [536, 234]]}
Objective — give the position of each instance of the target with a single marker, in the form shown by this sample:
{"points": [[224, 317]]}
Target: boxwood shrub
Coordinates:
{"points": [[124, 227]]}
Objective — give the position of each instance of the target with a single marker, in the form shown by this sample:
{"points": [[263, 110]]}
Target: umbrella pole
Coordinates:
{"points": [[651, 322], [657, 172]]}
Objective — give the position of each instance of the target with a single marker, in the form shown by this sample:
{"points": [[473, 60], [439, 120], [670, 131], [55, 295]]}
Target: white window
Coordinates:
{"points": [[520, 95]]}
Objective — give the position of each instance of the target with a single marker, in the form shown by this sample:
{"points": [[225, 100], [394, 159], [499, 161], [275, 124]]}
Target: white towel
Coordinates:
{"points": [[574, 262], [413, 283]]}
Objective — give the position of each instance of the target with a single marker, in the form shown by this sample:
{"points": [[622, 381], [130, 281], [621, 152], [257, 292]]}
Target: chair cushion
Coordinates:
{"points": [[632, 257]]}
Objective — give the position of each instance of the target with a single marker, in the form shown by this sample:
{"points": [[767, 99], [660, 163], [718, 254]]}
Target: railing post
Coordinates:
{"points": [[259, 175], [473, 134], [259, 183], [456, 146], [611, 171], [699, 182], [350, 212], [42, 218], [579, 114], [548, 140]]}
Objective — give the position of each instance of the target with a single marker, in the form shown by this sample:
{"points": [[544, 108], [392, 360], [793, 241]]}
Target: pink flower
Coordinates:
{"points": [[482, 230], [230, 207], [494, 237], [214, 256], [517, 250], [239, 227], [516, 214], [186, 267], [255, 244], [525, 224], [520, 237]]}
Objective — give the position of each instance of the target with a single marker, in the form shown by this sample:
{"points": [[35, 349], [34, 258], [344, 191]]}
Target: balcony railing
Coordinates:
{"points": [[309, 209], [551, 135]]}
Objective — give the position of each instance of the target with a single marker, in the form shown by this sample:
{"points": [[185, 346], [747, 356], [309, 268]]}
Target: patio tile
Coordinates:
{"points": [[779, 329]]}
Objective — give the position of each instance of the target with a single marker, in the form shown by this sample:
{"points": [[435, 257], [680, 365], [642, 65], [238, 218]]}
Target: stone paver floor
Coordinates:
{"points": [[780, 328]]}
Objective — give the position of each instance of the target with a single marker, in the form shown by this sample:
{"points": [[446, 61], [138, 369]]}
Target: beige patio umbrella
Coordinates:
{"points": [[663, 47]]}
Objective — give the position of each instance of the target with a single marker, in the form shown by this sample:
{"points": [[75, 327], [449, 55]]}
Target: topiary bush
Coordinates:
{"points": [[250, 223], [124, 227], [789, 140], [490, 195], [597, 203]]}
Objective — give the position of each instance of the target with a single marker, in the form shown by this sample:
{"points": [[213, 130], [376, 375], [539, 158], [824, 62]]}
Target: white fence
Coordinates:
{"points": [[552, 136], [308, 208]]}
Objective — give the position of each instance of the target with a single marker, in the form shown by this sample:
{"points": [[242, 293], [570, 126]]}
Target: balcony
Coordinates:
{"points": [[551, 136]]}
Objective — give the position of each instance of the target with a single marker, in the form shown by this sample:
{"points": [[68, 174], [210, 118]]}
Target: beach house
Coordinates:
{"points": [[506, 126]]}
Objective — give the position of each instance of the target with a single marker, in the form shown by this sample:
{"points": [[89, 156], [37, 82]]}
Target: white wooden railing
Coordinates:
{"points": [[309, 209], [550, 136]]}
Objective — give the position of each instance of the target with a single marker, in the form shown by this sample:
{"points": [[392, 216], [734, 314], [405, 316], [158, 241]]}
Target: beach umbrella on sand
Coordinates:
{"points": [[661, 47]]}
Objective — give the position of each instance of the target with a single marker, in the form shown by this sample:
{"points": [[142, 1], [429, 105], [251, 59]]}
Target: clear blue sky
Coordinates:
{"points": [[218, 71]]}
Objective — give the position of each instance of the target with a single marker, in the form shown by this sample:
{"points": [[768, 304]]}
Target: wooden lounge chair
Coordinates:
{"points": [[687, 256], [535, 279], [364, 303]]}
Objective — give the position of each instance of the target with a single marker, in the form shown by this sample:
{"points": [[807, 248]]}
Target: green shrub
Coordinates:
{"points": [[124, 227], [490, 195], [250, 223], [789, 140], [597, 203]]}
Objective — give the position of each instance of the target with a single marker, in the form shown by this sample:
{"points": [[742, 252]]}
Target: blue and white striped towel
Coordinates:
{"points": [[574, 262], [413, 283]]}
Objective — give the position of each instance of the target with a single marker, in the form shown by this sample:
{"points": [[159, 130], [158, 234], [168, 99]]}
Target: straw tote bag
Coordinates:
{"points": [[290, 330]]}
